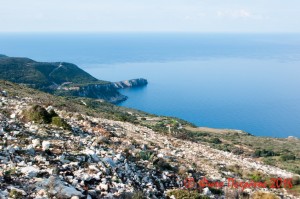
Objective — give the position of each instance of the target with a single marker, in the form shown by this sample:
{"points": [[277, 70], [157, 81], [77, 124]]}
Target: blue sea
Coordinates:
{"points": [[238, 81]]}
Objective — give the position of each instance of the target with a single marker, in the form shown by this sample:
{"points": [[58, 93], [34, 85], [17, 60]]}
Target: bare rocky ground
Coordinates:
{"points": [[102, 158]]}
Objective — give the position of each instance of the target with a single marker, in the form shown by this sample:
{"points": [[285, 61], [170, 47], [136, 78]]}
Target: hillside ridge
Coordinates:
{"points": [[60, 78]]}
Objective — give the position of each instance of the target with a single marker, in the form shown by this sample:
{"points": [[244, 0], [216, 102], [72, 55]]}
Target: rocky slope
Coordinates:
{"points": [[102, 158]]}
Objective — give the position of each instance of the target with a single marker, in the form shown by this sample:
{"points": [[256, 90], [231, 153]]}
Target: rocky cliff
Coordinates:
{"points": [[106, 92], [130, 83]]}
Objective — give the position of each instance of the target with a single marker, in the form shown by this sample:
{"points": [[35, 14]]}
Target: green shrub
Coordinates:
{"points": [[216, 141], [216, 191], [264, 153], [146, 155], [52, 113], [162, 164], [15, 194], [37, 114], [256, 176], [287, 157], [296, 180], [138, 195], [237, 151], [57, 121]]}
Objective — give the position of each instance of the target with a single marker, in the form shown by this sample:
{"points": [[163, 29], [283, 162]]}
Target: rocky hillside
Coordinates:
{"points": [[42, 74], [50, 151]]}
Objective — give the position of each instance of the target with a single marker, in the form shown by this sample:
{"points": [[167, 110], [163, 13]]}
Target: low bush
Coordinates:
{"points": [[138, 195], [237, 151], [264, 153], [296, 180], [40, 115], [216, 191], [162, 164], [216, 141], [37, 114], [146, 155], [15, 194], [286, 157], [257, 176], [57, 121]]}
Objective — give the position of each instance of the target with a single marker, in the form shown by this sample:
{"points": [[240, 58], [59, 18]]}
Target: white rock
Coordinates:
{"points": [[46, 145], [59, 187], [36, 143], [17, 190], [49, 108], [102, 186], [10, 149], [109, 161], [30, 171], [119, 157], [69, 191], [92, 154], [160, 155], [42, 192], [206, 191], [93, 167]]}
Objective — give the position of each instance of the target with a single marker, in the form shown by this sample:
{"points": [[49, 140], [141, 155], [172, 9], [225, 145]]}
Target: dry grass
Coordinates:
{"points": [[263, 195]]}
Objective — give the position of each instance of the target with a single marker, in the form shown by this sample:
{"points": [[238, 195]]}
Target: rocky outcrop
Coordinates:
{"points": [[106, 92], [130, 83]]}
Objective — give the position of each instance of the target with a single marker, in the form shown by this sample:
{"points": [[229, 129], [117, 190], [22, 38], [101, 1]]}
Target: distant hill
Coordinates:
{"points": [[43, 75], [58, 78], [61, 78]]}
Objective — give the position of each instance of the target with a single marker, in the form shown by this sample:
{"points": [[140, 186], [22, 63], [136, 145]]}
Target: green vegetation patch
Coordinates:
{"points": [[57, 121], [37, 114], [40, 115]]}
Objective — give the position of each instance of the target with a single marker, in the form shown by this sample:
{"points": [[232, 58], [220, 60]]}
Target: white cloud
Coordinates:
{"points": [[241, 13], [144, 15]]}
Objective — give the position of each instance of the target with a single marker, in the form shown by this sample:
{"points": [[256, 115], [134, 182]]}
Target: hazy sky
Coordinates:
{"points": [[150, 15]]}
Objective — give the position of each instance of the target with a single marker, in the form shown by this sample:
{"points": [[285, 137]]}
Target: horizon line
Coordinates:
{"points": [[161, 32]]}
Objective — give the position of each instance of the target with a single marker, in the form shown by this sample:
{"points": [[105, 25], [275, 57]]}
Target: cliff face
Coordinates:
{"points": [[130, 83], [100, 91], [108, 91]]}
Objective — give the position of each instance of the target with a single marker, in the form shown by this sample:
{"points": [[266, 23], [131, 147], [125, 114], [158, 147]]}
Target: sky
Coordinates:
{"points": [[150, 16]]}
